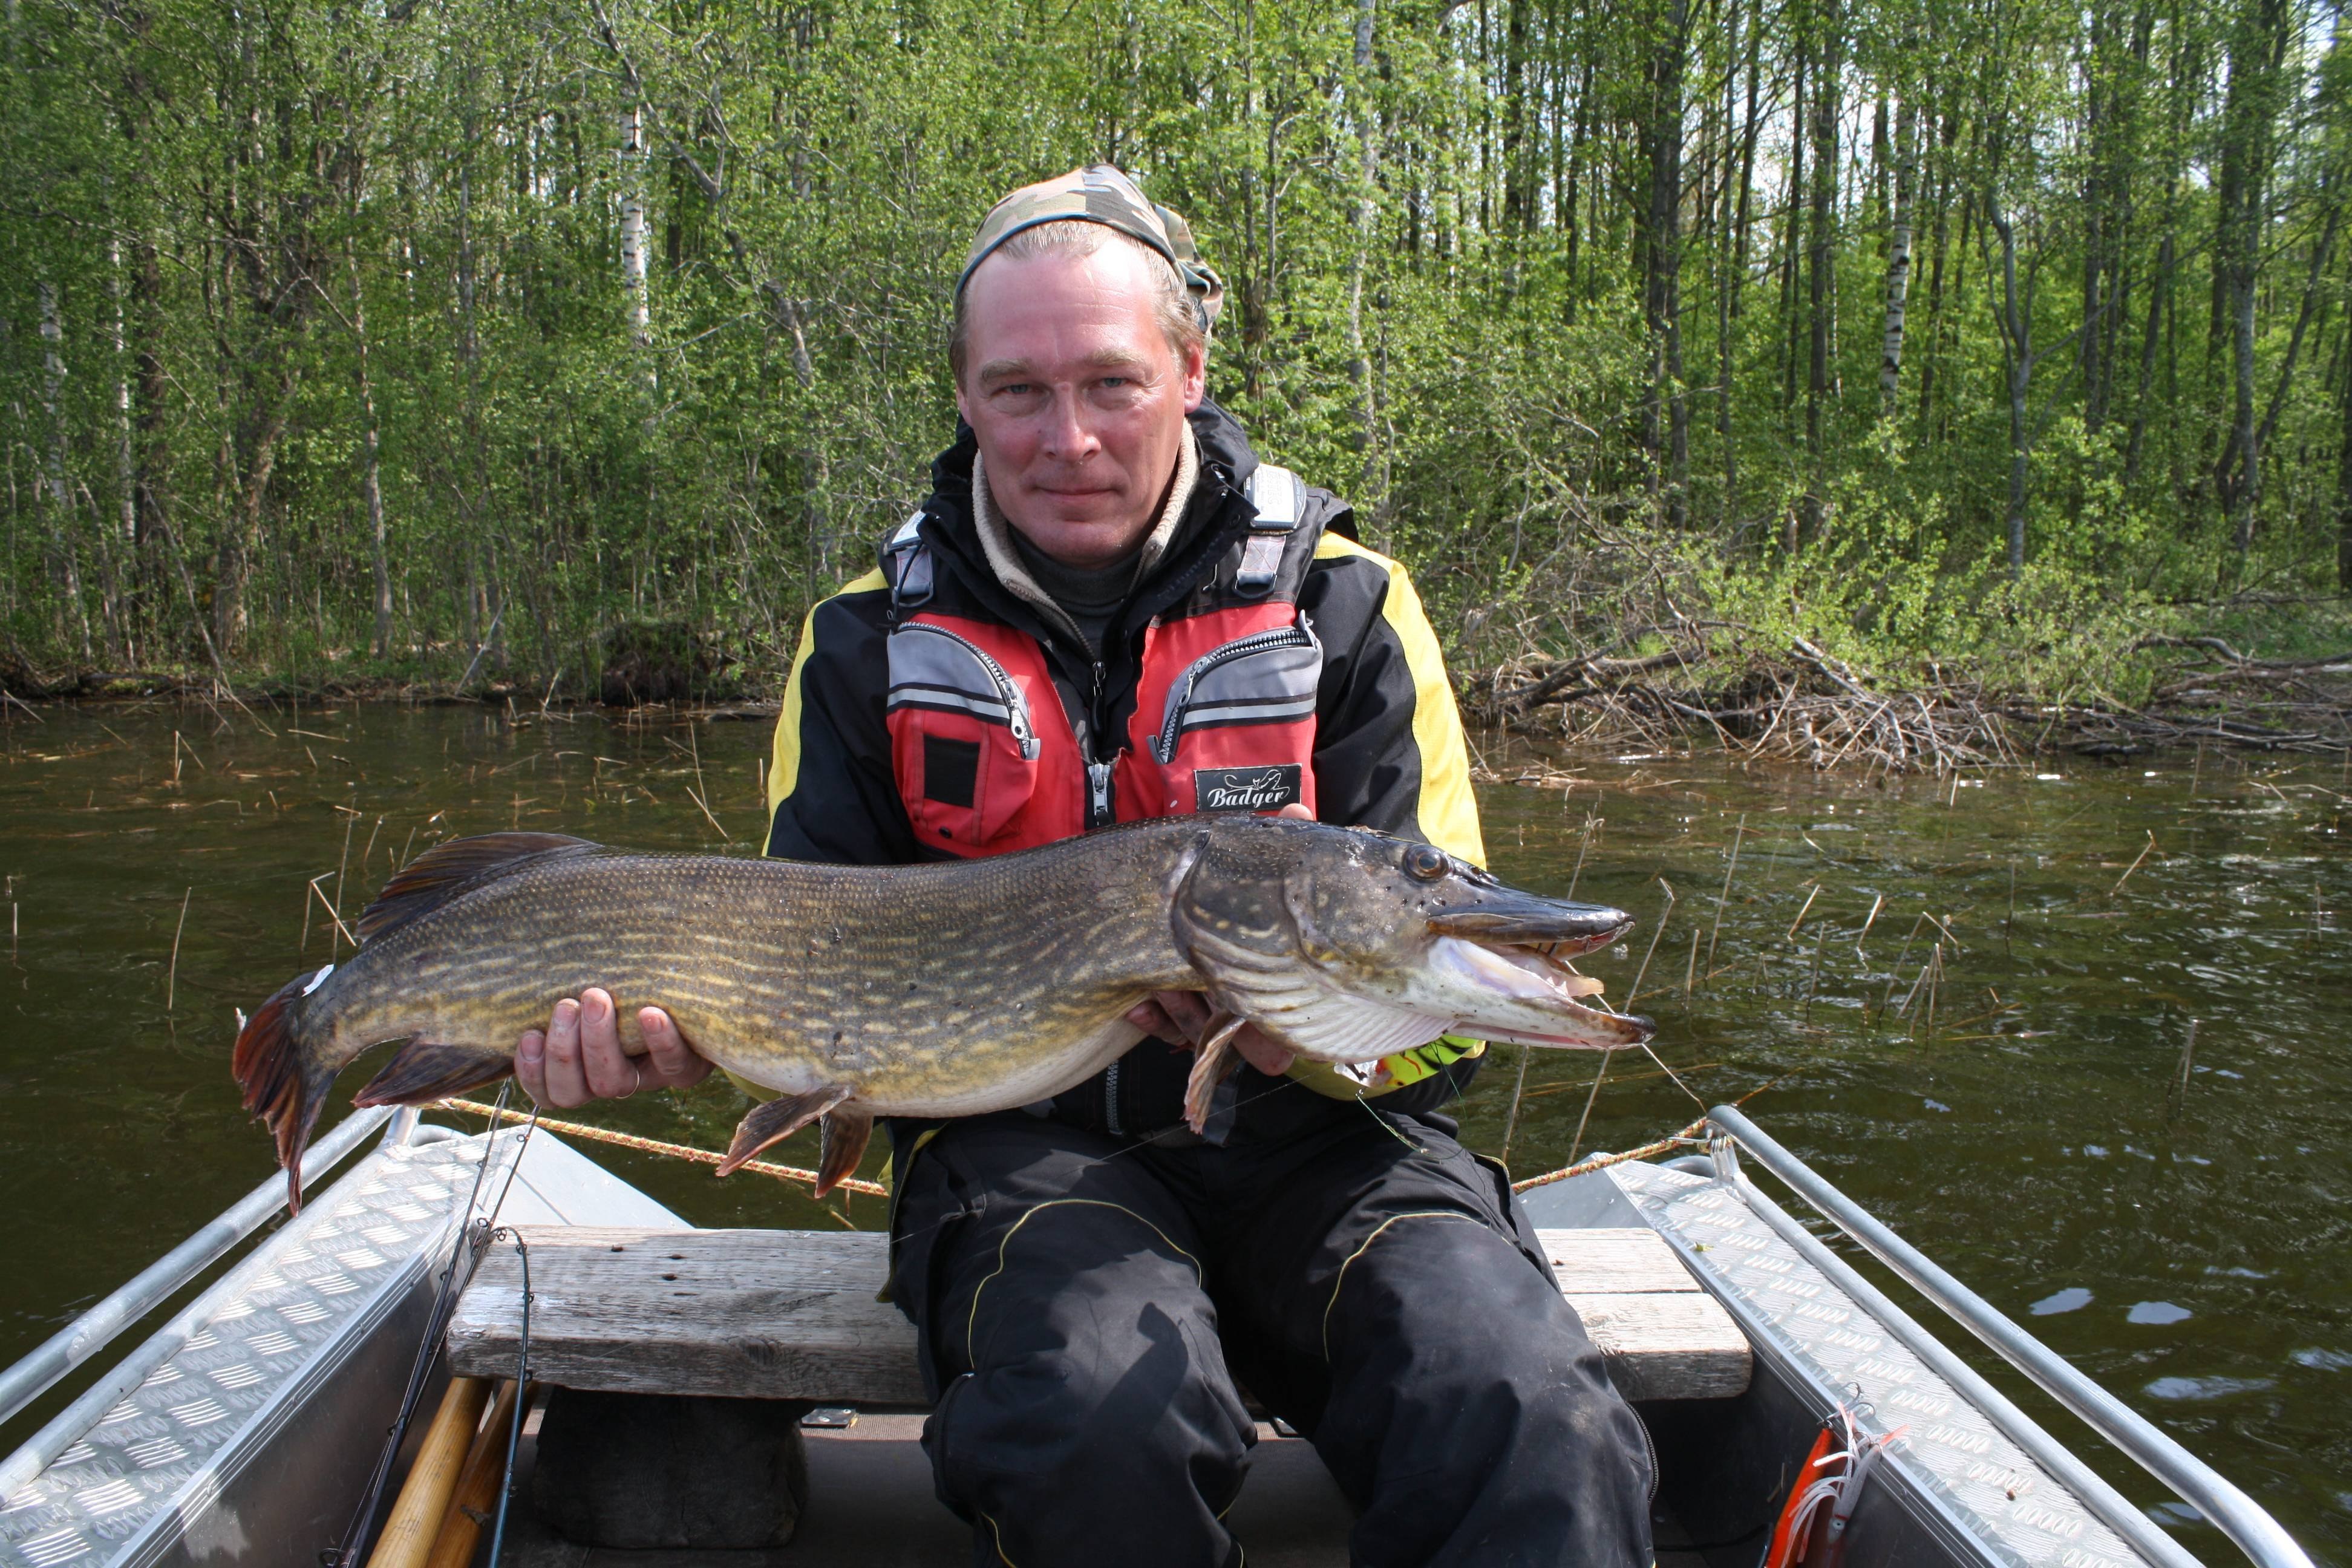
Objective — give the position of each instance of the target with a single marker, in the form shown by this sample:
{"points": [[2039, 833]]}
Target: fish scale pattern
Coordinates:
{"points": [[1988, 1485], [150, 1456]]}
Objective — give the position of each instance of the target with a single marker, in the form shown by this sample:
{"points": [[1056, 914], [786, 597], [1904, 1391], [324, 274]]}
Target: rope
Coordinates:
{"points": [[1688, 1135], [1597, 1163], [655, 1146]]}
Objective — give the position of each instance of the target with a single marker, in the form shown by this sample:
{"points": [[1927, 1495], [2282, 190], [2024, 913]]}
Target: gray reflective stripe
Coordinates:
{"points": [[932, 669], [1283, 675], [907, 531], [1271, 683], [987, 708], [1209, 716]]}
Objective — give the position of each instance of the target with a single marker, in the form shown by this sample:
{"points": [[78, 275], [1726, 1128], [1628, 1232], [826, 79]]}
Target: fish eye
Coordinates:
{"points": [[1426, 862]]}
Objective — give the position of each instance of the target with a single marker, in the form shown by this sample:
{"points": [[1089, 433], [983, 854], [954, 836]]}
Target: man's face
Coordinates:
{"points": [[1076, 398]]}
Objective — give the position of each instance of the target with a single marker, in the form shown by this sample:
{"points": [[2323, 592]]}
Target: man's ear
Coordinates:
{"points": [[964, 410], [1196, 376]]}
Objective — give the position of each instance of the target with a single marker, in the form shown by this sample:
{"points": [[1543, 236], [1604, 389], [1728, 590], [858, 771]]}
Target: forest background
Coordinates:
{"points": [[442, 340]]}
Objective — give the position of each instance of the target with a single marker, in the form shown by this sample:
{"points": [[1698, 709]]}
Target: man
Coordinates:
{"points": [[1111, 608]]}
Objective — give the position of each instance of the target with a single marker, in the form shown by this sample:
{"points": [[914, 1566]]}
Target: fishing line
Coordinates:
{"points": [[472, 1240], [522, 1387]]}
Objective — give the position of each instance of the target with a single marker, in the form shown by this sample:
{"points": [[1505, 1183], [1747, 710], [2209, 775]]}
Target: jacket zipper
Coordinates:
{"points": [[1016, 707], [1099, 768], [1181, 694], [1110, 1102]]}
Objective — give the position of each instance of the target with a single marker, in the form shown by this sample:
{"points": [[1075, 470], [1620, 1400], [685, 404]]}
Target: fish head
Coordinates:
{"points": [[1340, 942]]}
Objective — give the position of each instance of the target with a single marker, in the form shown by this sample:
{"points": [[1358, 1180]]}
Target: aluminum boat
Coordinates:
{"points": [[245, 1428]]}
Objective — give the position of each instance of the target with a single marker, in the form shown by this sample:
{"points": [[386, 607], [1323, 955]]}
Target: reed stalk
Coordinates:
{"points": [[171, 979], [1724, 897], [1664, 916], [2133, 867]]}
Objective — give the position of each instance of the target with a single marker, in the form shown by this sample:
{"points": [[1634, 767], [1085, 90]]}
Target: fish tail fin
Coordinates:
{"points": [[284, 1084]]}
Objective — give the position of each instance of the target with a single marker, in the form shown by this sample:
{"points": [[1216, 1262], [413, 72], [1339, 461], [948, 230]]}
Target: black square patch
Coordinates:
{"points": [[951, 768], [1247, 789]]}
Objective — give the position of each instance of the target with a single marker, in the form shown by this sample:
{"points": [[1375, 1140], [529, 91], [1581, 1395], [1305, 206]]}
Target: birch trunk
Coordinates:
{"points": [[1360, 359], [2015, 319], [68, 558], [1823, 263], [632, 227], [1899, 256], [126, 472], [371, 480]]}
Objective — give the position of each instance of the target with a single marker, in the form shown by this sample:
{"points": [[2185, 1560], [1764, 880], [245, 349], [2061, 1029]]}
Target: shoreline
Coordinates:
{"points": [[1763, 717]]}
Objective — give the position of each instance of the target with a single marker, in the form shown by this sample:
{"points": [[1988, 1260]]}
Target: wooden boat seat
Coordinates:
{"points": [[792, 1314]]}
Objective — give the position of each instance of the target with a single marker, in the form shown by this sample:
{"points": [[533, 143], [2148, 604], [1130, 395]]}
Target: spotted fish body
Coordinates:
{"points": [[856, 992]]}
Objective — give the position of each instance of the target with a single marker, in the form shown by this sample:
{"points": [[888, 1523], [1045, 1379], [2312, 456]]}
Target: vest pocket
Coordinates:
{"points": [[961, 743], [1267, 677]]}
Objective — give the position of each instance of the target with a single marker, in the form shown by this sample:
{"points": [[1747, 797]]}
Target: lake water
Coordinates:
{"points": [[1993, 1063]]}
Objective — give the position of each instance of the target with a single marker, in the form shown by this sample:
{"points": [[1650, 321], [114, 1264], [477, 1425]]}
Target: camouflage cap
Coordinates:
{"points": [[1101, 194]]}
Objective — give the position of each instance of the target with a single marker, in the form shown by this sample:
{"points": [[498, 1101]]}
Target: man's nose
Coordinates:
{"points": [[1069, 436]]}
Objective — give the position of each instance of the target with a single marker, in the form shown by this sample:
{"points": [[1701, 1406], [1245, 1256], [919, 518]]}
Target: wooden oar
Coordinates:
{"points": [[478, 1484], [424, 1496]]}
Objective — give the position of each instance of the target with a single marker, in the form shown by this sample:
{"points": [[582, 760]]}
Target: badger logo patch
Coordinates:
{"points": [[1247, 789]]}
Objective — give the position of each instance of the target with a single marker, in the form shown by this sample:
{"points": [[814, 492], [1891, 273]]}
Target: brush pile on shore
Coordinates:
{"points": [[1801, 704], [1714, 683]]}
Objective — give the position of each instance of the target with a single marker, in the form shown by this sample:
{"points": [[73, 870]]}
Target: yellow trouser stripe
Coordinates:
{"points": [[1366, 1246], [971, 1320]]}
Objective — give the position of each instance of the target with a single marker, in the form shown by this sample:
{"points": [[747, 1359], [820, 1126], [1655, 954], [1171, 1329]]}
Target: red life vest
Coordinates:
{"points": [[985, 757]]}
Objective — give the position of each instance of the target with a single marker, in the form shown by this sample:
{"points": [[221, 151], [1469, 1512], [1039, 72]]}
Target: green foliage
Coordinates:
{"points": [[272, 238]]}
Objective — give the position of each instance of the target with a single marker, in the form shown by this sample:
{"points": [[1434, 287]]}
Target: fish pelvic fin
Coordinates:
{"points": [[283, 1081], [444, 871], [775, 1120], [846, 1128], [1216, 1058], [424, 1073]]}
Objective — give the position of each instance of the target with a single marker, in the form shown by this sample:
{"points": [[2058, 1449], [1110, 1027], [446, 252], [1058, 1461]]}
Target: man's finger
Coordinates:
{"points": [[565, 1087], [1262, 1053], [1188, 1010], [1153, 1020], [670, 1062], [1298, 811], [531, 1064], [609, 1073]]}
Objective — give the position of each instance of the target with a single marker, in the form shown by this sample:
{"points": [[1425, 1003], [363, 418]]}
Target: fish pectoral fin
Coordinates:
{"points": [[846, 1128], [777, 1119], [424, 1073], [1215, 1057]]}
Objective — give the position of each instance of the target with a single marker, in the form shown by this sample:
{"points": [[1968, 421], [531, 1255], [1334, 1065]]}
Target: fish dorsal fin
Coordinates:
{"points": [[442, 872]]}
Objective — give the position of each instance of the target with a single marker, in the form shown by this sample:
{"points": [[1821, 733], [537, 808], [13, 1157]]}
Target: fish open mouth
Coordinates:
{"points": [[1535, 972]]}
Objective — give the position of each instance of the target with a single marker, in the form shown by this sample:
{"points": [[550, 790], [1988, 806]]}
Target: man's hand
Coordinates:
{"points": [[1182, 1019], [578, 1056]]}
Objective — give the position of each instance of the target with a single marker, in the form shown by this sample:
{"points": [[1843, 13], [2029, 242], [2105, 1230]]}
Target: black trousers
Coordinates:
{"points": [[1088, 1309]]}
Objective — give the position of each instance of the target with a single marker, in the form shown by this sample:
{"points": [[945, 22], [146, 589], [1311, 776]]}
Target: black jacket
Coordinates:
{"points": [[1388, 750]]}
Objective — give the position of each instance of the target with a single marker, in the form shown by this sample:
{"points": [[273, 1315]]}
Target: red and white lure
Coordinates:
{"points": [[1830, 1485]]}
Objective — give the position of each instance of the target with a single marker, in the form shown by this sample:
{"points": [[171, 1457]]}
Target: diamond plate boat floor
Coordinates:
{"points": [[145, 1480], [1986, 1486]]}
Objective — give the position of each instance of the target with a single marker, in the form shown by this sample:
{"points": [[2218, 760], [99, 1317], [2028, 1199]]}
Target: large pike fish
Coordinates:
{"points": [[933, 990]]}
